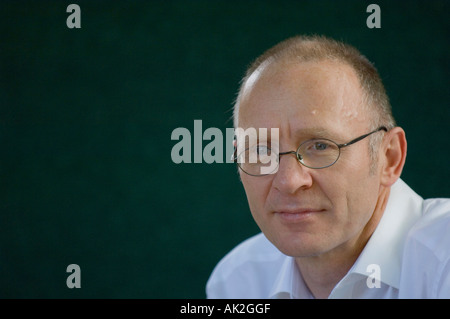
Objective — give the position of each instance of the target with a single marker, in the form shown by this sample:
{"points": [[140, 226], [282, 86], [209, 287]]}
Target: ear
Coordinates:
{"points": [[393, 156]]}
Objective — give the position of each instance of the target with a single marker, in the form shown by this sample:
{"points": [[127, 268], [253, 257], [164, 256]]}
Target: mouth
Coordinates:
{"points": [[299, 215]]}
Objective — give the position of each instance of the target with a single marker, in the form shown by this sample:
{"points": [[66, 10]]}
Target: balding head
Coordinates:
{"points": [[307, 49]]}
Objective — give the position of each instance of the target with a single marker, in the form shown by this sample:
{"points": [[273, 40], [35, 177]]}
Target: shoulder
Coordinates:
{"points": [[426, 258], [246, 271], [432, 229]]}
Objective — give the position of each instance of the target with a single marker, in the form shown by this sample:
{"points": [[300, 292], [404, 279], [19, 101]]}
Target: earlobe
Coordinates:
{"points": [[394, 153]]}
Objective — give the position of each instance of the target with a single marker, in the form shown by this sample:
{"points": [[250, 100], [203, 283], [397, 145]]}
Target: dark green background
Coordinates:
{"points": [[86, 117]]}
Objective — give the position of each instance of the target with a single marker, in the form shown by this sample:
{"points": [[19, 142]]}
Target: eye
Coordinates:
{"points": [[320, 146], [262, 150], [318, 153]]}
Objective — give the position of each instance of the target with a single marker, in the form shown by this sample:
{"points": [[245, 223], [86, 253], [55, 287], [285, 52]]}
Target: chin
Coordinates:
{"points": [[303, 245]]}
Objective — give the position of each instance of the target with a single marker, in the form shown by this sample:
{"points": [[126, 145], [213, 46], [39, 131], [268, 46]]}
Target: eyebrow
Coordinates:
{"points": [[304, 134], [314, 132]]}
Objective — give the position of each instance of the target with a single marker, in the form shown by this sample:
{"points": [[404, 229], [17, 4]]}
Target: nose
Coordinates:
{"points": [[291, 175]]}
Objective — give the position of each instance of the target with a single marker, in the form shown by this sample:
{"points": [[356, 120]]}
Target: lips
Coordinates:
{"points": [[297, 215]]}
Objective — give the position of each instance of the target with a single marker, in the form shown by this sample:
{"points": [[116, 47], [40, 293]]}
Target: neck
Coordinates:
{"points": [[322, 273]]}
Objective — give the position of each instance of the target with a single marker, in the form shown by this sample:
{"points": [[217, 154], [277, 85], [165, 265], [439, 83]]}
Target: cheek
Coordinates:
{"points": [[350, 194], [355, 202]]}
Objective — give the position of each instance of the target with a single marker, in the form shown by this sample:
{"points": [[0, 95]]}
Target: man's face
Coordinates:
{"points": [[303, 211]]}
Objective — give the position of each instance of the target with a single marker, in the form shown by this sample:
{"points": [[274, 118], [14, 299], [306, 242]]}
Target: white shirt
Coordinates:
{"points": [[407, 256]]}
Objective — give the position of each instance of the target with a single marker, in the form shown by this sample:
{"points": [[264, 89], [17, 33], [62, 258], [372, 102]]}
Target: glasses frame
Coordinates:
{"points": [[299, 157]]}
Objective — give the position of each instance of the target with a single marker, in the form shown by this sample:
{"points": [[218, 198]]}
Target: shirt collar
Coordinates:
{"points": [[384, 248], [289, 283]]}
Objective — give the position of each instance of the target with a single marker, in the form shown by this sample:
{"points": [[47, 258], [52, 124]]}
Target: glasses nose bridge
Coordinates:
{"points": [[297, 156], [291, 177]]}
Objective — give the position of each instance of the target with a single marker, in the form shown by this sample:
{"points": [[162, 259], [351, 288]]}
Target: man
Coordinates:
{"points": [[336, 219]]}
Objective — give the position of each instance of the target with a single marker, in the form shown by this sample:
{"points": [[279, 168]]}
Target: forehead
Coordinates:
{"points": [[324, 94]]}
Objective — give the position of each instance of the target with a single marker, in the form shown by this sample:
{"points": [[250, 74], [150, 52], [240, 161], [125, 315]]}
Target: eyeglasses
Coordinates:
{"points": [[261, 160]]}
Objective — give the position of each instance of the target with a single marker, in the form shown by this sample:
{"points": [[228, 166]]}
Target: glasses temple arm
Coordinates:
{"points": [[362, 137]]}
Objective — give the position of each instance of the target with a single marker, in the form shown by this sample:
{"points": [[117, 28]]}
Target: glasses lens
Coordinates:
{"points": [[318, 153], [258, 160]]}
